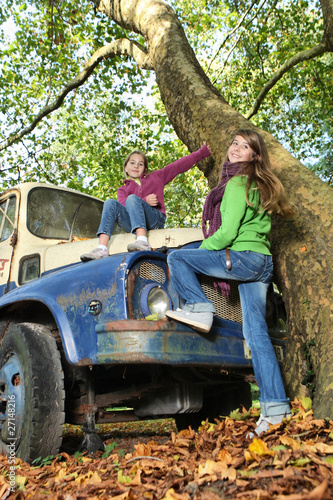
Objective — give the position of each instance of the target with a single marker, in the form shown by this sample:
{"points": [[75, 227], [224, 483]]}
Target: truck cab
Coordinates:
{"points": [[81, 339]]}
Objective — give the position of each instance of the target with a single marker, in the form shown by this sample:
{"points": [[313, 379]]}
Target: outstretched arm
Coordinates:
{"points": [[169, 172]]}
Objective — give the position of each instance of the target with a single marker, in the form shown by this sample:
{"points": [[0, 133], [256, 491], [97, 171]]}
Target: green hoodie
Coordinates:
{"points": [[243, 227]]}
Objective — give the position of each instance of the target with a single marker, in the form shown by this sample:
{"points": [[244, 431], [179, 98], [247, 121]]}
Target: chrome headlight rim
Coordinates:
{"points": [[145, 298]]}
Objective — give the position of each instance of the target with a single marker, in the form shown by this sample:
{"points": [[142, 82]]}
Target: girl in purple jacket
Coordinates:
{"points": [[140, 206]]}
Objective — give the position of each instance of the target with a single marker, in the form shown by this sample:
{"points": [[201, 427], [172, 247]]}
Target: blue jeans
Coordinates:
{"points": [[254, 273], [137, 213]]}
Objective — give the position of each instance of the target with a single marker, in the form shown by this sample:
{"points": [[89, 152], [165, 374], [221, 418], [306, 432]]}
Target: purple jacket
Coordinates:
{"points": [[154, 182]]}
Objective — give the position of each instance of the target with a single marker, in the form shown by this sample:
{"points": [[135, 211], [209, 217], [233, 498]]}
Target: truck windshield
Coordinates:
{"points": [[52, 213]]}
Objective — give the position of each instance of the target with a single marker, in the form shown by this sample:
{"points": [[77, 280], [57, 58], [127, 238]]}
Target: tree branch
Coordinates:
{"points": [[240, 22], [118, 47], [238, 38], [305, 55]]}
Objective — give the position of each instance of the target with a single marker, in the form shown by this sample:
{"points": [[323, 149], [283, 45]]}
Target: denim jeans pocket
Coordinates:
{"points": [[249, 266]]}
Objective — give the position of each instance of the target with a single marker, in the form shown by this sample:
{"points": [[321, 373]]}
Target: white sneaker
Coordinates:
{"points": [[97, 253], [264, 422], [200, 321], [138, 246]]}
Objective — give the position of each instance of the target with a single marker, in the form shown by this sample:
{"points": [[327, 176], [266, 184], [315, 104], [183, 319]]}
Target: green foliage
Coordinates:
{"points": [[252, 41], [42, 462], [78, 457], [109, 449], [307, 404], [240, 45], [237, 415], [52, 41], [83, 145], [90, 148]]}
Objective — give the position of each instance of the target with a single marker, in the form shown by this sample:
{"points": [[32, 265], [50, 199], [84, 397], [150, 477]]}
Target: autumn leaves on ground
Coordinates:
{"points": [[292, 460]]}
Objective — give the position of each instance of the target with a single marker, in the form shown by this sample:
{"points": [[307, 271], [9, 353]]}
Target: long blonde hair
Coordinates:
{"points": [[272, 194]]}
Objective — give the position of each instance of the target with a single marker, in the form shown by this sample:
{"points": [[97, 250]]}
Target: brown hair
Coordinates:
{"points": [[259, 170], [144, 157]]}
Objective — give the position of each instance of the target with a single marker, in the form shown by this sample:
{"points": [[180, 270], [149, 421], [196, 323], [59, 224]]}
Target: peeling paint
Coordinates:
{"points": [[85, 296]]}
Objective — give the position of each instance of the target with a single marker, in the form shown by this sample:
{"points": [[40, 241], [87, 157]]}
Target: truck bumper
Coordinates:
{"points": [[169, 342]]}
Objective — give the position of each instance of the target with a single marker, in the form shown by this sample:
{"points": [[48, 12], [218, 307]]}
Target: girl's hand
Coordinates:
{"points": [[152, 200], [208, 146]]}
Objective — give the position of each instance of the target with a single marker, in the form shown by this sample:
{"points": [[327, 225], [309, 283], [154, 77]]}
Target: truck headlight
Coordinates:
{"points": [[154, 300]]}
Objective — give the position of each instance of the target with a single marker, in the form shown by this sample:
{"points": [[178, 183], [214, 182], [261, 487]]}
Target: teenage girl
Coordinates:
{"points": [[140, 205], [237, 247]]}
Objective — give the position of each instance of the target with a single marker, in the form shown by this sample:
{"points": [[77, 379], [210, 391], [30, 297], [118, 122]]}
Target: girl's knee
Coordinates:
{"points": [[132, 197], [170, 258], [173, 257], [110, 203], [132, 200]]}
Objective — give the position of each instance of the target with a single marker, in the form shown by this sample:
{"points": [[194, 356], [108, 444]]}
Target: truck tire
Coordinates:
{"points": [[31, 392], [217, 406]]}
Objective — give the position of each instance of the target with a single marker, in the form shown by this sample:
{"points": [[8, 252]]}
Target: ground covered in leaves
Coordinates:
{"points": [[292, 460]]}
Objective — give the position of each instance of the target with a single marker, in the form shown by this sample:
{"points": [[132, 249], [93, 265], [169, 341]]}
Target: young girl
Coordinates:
{"points": [[140, 206], [239, 249]]}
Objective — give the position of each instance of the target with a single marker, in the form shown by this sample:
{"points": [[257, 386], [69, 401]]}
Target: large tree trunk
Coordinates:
{"points": [[302, 248]]}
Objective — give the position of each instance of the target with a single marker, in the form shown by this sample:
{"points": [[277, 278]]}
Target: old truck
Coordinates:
{"points": [[80, 340]]}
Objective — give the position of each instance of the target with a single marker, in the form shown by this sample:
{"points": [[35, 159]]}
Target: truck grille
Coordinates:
{"points": [[226, 307], [151, 272]]}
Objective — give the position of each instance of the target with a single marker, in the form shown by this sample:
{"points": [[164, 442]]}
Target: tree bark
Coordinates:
{"points": [[327, 9], [302, 247]]}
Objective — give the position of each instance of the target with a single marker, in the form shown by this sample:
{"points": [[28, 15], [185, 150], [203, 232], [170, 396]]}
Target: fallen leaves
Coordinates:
{"points": [[290, 461]]}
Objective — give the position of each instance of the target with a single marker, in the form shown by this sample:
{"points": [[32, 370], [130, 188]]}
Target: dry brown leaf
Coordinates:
{"points": [[92, 477], [172, 495], [128, 495], [224, 457], [324, 448], [259, 447], [292, 443], [212, 469], [4, 491], [136, 481], [316, 494], [142, 450], [228, 469]]}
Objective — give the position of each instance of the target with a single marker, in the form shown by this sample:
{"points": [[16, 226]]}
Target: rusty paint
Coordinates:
{"points": [[82, 409], [3, 332], [85, 362], [13, 239], [130, 291], [85, 297], [115, 398], [138, 325]]}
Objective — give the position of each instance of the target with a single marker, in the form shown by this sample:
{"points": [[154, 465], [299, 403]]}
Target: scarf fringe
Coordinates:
{"points": [[223, 287]]}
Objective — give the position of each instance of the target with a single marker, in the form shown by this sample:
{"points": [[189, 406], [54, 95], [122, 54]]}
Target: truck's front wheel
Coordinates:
{"points": [[31, 392]]}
